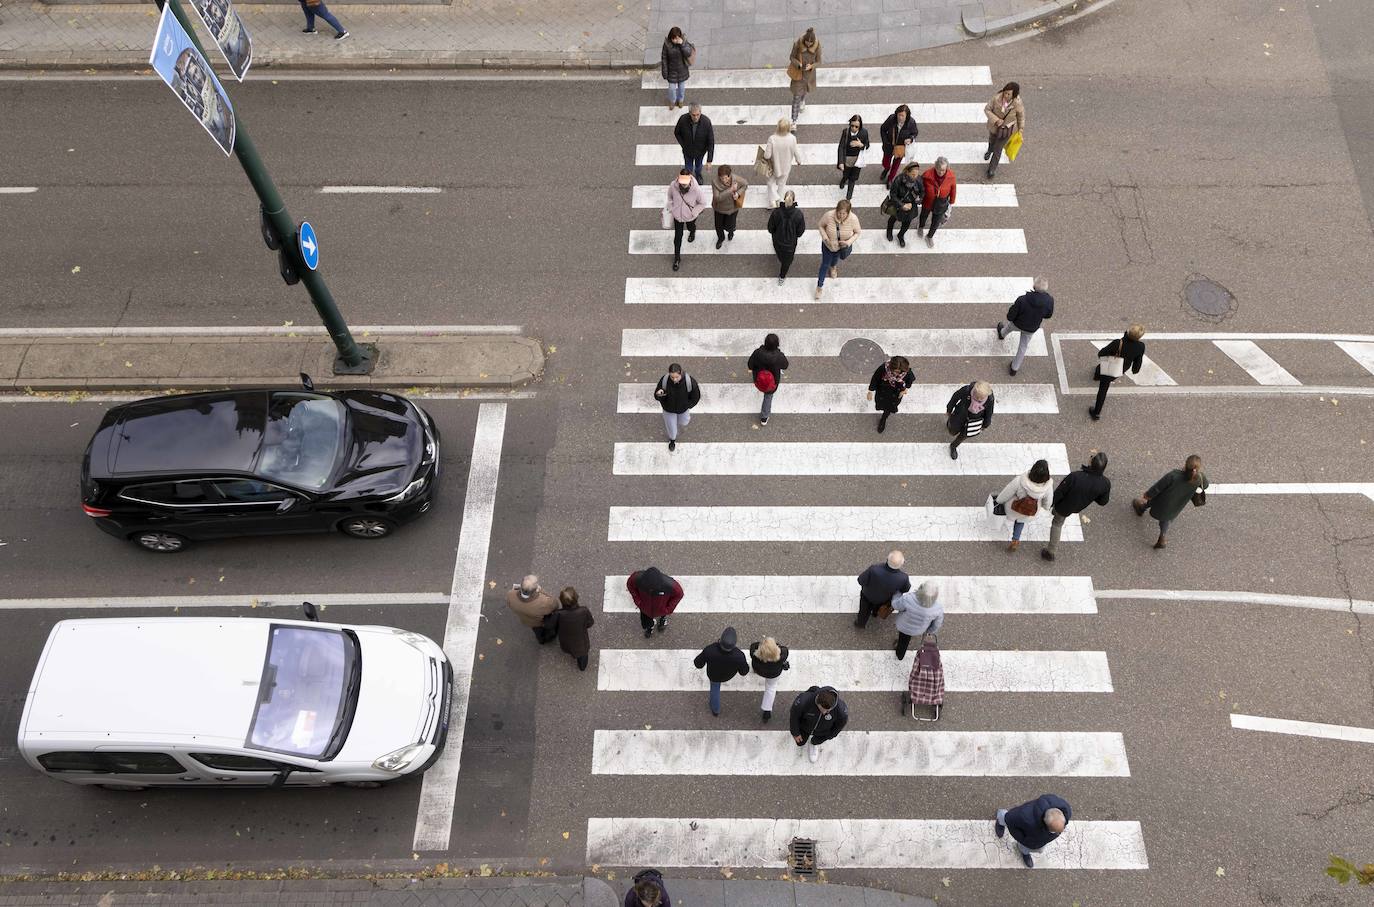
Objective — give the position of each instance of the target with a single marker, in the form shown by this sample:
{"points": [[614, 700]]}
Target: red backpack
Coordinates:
{"points": [[764, 381]]}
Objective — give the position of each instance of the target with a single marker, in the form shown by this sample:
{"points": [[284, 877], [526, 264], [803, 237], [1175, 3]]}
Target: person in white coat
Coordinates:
{"points": [[918, 612], [781, 153], [1026, 497]]}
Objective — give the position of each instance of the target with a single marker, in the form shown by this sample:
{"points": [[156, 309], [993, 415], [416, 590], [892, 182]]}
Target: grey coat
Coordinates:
{"points": [[914, 619]]}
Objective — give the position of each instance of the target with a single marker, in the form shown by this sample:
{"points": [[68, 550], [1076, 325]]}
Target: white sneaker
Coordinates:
{"points": [[813, 752]]}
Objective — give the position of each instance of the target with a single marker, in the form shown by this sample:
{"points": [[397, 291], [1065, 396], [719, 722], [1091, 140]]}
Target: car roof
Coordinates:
{"points": [[149, 678], [188, 433]]}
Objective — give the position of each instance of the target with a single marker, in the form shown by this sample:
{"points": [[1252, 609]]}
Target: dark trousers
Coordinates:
{"points": [[866, 610], [903, 640], [959, 438], [646, 622], [677, 235], [848, 178], [936, 213], [544, 634], [1102, 385], [996, 142], [905, 220], [581, 662], [725, 224], [694, 164], [785, 255]]}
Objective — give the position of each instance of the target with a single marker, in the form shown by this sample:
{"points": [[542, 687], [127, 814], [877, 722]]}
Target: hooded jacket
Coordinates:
{"points": [[786, 223], [1023, 487], [722, 659], [1086, 486], [807, 722], [654, 592], [678, 396], [768, 669], [1030, 309], [1027, 821], [764, 359]]}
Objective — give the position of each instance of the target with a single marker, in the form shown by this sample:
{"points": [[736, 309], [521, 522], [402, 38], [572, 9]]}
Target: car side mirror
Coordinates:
{"points": [[311, 612], [286, 505], [306, 382]]}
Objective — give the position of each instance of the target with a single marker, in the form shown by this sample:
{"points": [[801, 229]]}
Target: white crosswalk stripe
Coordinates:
{"points": [[762, 843], [876, 291], [805, 595], [866, 195], [911, 342], [838, 458], [933, 754], [1260, 365], [951, 241], [814, 154], [818, 114], [832, 77], [819, 524], [1361, 351], [795, 398], [866, 670]]}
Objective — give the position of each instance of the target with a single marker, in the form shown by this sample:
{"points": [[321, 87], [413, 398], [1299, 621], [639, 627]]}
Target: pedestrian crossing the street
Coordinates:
{"points": [[664, 498]]}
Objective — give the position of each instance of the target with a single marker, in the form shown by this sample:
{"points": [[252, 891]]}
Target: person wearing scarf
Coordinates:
{"points": [[888, 386]]}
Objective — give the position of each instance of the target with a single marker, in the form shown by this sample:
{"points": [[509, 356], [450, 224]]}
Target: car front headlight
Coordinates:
{"points": [[408, 492], [399, 760]]}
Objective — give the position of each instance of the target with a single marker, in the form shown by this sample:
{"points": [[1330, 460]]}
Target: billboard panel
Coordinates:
{"points": [[185, 71]]}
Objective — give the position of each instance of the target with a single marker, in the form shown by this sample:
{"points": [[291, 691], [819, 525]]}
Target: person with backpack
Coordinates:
{"points": [[656, 595], [1169, 497], [570, 624], [918, 612], [1024, 498], [723, 662], [1078, 489], [941, 188], [968, 413], [818, 715], [766, 364], [888, 385], [768, 660], [903, 202], [647, 890], [786, 224], [677, 392], [1026, 315]]}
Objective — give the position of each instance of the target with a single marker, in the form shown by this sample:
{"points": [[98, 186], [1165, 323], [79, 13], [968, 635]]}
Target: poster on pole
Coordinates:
{"points": [[185, 71], [227, 29]]}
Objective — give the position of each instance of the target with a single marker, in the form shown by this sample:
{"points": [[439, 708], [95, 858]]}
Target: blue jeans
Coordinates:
{"points": [[1016, 528], [677, 92], [715, 698], [323, 12], [829, 260], [694, 164]]}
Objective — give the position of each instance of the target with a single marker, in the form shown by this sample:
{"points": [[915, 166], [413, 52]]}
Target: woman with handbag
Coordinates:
{"points": [[839, 231], [1024, 498], [1125, 353], [686, 201], [903, 202], [727, 197], [801, 69], [1006, 116], [785, 224], [968, 413], [888, 386], [675, 65], [939, 189], [898, 135], [1168, 497], [850, 155], [779, 153]]}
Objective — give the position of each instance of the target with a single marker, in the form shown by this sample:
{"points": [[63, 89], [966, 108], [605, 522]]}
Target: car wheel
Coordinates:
{"points": [[361, 785], [161, 542], [366, 527]]}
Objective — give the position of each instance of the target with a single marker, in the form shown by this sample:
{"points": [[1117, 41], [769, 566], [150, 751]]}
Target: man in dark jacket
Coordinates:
{"points": [[785, 223], [698, 140], [771, 359], [656, 595], [878, 584], [677, 392], [1025, 315], [723, 661], [818, 714], [1033, 824], [1075, 493]]}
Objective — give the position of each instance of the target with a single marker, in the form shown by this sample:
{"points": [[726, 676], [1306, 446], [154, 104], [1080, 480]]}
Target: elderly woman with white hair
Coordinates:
{"points": [[780, 151], [969, 412], [918, 612]]}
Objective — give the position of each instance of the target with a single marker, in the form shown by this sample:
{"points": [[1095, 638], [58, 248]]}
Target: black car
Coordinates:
{"points": [[162, 471]]}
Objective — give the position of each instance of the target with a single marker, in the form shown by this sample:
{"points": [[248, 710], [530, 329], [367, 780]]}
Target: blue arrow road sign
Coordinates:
{"points": [[309, 246]]}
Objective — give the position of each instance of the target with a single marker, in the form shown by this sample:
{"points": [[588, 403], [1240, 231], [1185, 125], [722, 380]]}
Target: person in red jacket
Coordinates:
{"points": [[656, 595], [940, 186]]}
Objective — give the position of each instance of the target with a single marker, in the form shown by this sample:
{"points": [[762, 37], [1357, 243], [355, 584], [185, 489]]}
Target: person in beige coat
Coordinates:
{"points": [[839, 230], [781, 153], [532, 604], [801, 69], [727, 197], [1006, 116]]}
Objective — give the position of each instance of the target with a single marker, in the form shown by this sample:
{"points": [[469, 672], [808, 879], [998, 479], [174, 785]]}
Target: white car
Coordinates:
{"points": [[135, 702]]}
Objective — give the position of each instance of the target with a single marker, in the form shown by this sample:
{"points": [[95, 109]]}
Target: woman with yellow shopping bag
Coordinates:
{"points": [[1006, 118]]}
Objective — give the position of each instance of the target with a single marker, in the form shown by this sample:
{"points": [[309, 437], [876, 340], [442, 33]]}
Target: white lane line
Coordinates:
{"points": [[380, 75], [1309, 602], [1260, 365], [799, 291], [721, 594], [381, 190], [415, 393], [796, 398], [838, 458], [919, 754], [986, 241], [854, 843], [833, 77], [818, 114], [1253, 488], [814, 154], [18, 190], [1299, 728], [1102, 336], [434, 819], [911, 342], [1361, 351], [818, 524], [260, 330], [868, 195], [865, 671], [279, 600]]}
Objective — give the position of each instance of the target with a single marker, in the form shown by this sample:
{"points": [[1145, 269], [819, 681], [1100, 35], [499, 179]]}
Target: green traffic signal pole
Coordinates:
{"points": [[353, 359]]}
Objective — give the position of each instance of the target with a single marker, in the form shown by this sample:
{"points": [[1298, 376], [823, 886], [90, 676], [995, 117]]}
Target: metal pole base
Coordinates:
{"points": [[370, 357]]}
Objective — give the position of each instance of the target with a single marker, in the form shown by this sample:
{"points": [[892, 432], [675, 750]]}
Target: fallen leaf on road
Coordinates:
{"points": [[566, 835], [76, 270], [481, 657], [499, 641], [727, 872], [1220, 872], [484, 870], [491, 584], [945, 881], [1222, 694]]}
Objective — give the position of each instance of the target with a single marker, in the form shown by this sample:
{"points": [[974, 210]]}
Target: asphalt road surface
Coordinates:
{"points": [[1166, 143]]}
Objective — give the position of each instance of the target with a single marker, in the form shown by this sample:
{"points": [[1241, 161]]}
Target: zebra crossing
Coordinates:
{"points": [[756, 835]]}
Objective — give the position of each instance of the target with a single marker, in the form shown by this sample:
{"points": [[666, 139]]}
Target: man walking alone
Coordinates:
{"points": [[1075, 492], [818, 715], [1026, 314], [1034, 824], [677, 392]]}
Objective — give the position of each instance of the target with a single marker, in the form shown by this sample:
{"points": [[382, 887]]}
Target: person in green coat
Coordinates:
{"points": [[1166, 498]]}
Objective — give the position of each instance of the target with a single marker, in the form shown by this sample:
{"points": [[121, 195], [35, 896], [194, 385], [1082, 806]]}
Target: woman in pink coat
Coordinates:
{"points": [[686, 201]]}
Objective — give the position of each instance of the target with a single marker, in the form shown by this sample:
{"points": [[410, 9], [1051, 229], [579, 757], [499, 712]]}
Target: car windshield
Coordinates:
{"points": [[301, 443], [306, 684]]}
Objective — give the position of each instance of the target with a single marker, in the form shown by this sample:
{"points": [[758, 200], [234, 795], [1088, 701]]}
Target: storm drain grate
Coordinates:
{"points": [[801, 856]]}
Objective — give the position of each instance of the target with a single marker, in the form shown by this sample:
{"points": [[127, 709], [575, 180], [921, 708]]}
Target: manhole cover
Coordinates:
{"points": [[1209, 298], [861, 356]]}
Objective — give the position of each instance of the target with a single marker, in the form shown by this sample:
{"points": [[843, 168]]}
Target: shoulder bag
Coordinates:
{"points": [[762, 166], [667, 218], [1110, 366], [794, 72], [1025, 506], [1199, 498]]}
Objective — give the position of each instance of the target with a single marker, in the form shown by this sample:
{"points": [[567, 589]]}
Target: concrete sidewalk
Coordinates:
{"points": [[195, 358], [462, 892]]}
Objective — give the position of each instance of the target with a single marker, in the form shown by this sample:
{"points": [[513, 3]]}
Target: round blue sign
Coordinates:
{"points": [[308, 245]]}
